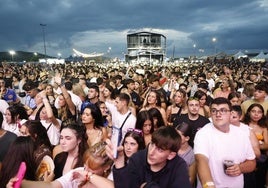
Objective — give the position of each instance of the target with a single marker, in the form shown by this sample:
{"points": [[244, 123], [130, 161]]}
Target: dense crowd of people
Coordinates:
{"points": [[179, 125]]}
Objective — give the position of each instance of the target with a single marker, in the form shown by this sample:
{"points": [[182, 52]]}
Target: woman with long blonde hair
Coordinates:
{"points": [[153, 100], [177, 107]]}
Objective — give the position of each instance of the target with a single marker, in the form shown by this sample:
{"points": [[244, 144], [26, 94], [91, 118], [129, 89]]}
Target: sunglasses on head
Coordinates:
{"points": [[137, 131]]}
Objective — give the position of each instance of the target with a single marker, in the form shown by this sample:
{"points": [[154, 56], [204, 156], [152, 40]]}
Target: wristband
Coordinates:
{"points": [[208, 184]]}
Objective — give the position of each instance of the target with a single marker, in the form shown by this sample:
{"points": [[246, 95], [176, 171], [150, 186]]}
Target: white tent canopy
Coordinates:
{"points": [[240, 55], [261, 57]]}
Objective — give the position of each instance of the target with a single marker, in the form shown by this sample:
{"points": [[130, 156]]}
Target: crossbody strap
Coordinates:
{"points": [[125, 120], [179, 111], [49, 126]]}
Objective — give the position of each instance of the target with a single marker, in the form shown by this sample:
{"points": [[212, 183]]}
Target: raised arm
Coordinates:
{"points": [[68, 99], [49, 111], [65, 94]]}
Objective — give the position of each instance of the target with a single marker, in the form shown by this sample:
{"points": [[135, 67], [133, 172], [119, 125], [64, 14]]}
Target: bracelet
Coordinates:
{"points": [[208, 184]]}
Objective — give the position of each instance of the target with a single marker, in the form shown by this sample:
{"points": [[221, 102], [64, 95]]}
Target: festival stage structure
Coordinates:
{"points": [[145, 47]]}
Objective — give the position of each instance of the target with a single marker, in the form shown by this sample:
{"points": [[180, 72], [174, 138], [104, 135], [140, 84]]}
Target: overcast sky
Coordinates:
{"points": [[95, 25]]}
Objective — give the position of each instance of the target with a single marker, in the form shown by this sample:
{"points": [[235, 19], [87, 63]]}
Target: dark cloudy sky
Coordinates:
{"points": [[96, 25]]}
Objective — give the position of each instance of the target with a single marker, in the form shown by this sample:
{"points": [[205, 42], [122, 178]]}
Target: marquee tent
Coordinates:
{"points": [[261, 57], [240, 55]]}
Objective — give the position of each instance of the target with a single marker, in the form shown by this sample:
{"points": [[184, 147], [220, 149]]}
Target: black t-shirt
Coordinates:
{"points": [[135, 98], [195, 125]]}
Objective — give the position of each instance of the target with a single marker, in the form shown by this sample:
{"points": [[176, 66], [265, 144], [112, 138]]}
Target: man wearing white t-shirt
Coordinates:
{"points": [[121, 115], [219, 141]]}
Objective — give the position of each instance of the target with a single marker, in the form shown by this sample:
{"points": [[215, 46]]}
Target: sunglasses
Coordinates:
{"points": [[137, 131]]}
